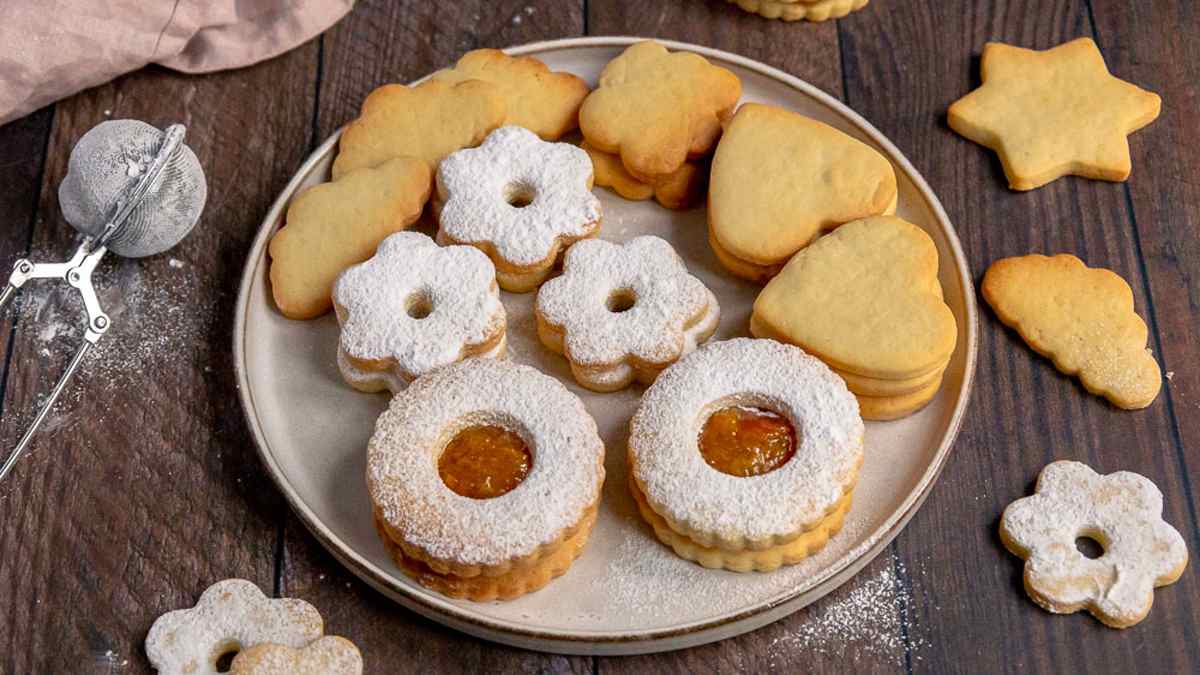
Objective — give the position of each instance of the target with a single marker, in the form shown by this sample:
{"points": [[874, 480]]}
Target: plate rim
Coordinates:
{"points": [[644, 641]]}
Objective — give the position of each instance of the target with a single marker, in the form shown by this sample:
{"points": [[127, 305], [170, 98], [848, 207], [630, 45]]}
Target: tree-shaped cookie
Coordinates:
{"points": [[537, 98], [1052, 113], [428, 121], [1080, 317], [656, 109], [1122, 512]]}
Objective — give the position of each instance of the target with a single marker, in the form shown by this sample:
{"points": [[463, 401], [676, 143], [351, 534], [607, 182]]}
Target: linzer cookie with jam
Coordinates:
{"points": [[744, 455], [485, 477]]}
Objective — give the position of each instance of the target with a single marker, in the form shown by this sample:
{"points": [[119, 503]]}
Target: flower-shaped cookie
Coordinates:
{"points": [[413, 307], [231, 615], [1123, 513], [624, 311], [519, 199]]}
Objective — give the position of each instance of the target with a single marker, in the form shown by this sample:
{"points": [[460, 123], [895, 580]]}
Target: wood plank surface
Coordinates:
{"points": [[145, 487]]}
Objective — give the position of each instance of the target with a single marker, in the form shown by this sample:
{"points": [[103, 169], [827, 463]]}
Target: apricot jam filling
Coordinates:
{"points": [[742, 441], [483, 462]]}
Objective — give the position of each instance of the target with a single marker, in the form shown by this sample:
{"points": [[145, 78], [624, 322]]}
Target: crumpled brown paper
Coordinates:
{"points": [[50, 49]]}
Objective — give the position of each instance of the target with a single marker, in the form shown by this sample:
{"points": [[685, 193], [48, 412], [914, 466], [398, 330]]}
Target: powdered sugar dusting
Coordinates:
{"points": [[474, 186], [405, 486], [665, 299], [715, 508], [455, 286]]}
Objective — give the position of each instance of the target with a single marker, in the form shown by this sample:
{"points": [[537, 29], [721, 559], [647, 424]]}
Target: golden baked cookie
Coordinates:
{"points": [[886, 408], [861, 385], [747, 451], [330, 655], [428, 122], [519, 199], [1122, 512], [865, 299], [683, 189], [1051, 113], [779, 179], [485, 476], [656, 109], [796, 10], [332, 226], [1081, 318], [541, 100]]}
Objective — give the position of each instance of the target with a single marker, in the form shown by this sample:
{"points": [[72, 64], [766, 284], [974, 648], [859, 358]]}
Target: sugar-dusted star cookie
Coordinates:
{"points": [[1053, 113]]}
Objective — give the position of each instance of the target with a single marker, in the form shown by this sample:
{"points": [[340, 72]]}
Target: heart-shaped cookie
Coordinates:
{"points": [[865, 299], [779, 179]]}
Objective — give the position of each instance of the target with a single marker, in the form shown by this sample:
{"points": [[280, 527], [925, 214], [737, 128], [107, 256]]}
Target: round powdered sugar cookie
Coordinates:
{"points": [[331, 655], [413, 307], [737, 512], [621, 312], [519, 199], [1122, 512], [467, 536], [231, 615]]}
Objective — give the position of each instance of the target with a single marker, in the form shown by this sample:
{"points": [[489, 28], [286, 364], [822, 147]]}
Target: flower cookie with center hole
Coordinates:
{"points": [[330, 655], [414, 307], [520, 200], [621, 312], [1123, 513], [231, 615]]}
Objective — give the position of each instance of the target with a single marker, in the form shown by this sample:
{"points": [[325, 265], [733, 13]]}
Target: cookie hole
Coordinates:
{"points": [[519, 195], [226, 653], [418, 305], [1089, 547], [747, 441], [621, 300], [484, 461]]}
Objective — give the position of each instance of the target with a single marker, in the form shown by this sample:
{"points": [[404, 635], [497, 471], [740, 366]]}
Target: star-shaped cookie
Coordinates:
{"points": [[1053, 113]]}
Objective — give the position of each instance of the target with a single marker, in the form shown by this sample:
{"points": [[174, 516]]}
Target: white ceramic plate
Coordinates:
{"points": [[627, 593]]}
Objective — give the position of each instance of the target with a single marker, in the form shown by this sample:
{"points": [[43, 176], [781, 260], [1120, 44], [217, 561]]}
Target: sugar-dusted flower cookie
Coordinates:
{"points": [[1122, 512], [520, 200], [1080, 317], [414, 307], [621, 312], [231, 615], [779, 179], [537, 98], [332, 226], [428, 122], [331, 655], [656, 109], [1053, 113]]}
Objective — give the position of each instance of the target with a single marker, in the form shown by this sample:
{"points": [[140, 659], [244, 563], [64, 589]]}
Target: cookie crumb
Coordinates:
{"points": [[1170, 375]]}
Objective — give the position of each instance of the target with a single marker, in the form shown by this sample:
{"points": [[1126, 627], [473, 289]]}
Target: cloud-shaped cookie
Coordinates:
{"points": [[330, 655], [1080, 317], [865, 299], [537, 98], [413, 307], [231, 615], [334, 225], [656, 108], [779, 179], [1123, 513], [428, 121]]}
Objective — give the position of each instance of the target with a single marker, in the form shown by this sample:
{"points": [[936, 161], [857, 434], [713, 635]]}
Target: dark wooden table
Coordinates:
{"points": [[146, 487]]}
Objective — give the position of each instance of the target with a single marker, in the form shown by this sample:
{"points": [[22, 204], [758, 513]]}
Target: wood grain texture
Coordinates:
{"points": [[1024, 413], [379, 43], [144, 487]]}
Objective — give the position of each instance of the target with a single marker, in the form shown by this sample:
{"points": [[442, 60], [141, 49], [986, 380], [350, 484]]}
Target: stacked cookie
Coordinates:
{"points": [[866, 300], [796, 10], [654, 119]]}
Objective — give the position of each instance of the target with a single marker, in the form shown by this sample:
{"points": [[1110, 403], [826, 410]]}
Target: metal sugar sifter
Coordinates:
{"points": [[130, 189]]}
